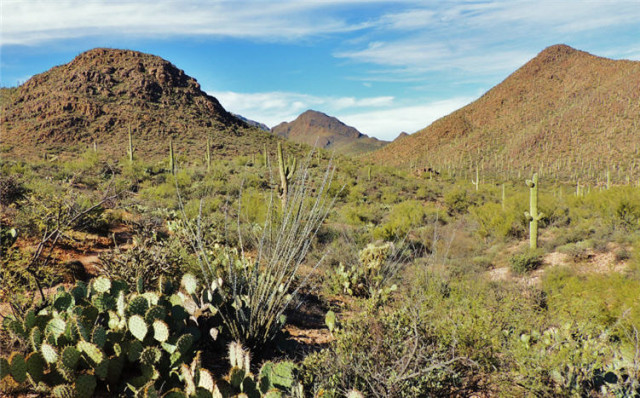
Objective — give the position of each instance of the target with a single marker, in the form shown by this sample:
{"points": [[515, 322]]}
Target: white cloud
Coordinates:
{"points": [[35, 21], [272, 108], [375, 116], [387, 124]]}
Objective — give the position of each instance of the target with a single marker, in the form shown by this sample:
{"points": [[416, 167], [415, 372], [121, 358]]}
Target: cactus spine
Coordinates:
{"points": [[286, 174], [532, 215]]}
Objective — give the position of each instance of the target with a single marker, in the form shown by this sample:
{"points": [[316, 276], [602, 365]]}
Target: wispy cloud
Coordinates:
{"points": [[34, 21], [481, 37]]}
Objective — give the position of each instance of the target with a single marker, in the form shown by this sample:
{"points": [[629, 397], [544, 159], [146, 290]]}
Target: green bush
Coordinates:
{"points": [[526, 261], [457, 200]]}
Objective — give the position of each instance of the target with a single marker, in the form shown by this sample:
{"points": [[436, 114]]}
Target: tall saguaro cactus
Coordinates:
{"points": [[286, 174], [532, 215], [172, 161], [476, 182], [208, 154], [130, 150]]}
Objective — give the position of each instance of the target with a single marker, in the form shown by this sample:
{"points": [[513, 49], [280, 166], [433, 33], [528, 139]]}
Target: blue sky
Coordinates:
{"points": [[382, 67]]}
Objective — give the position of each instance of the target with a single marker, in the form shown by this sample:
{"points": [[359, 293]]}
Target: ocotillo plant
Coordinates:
{"points": [[130, 150], [172, 162], [532, 215], [286, 174]]}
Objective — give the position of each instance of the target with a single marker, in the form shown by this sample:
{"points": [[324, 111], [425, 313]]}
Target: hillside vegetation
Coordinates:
{"points": [[565, 113]]}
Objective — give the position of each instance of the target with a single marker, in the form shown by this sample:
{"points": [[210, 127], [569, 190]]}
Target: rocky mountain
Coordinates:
{"points": [[103, 94], [323, 131], [565, 110]]}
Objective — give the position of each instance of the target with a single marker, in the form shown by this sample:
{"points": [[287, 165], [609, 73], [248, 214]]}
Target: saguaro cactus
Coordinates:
{"points": [[286, 174], [265, 155], [476, 182], [208, 154], [172, 162], [130, 150], [532, 215]]}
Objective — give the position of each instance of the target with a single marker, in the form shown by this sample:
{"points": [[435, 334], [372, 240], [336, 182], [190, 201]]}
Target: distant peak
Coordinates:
{"points": [[311, 112]]}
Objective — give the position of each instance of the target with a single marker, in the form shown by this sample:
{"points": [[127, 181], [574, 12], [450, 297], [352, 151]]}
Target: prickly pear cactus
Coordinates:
{"points": [[100, 337]]}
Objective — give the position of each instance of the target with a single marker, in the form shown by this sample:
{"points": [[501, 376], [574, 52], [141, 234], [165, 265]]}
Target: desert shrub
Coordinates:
{"points": [[526, 261], [448, 334], [384, 354], [360, 214], [576, 252], [457, 200], [11, 190], [566, 361], [494, 221], [404, 216], [596, 299]]}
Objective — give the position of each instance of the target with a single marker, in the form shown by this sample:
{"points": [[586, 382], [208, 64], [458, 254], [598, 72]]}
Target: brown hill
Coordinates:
{"points": [[323, 131], [564, 111], [104, 93]]}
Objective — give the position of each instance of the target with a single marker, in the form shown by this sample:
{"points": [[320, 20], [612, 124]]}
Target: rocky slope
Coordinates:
{"points": [[104, 93], [323, 131], [565, 110]]}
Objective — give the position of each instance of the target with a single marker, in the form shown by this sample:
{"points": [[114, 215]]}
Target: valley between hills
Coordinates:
{"points": [[152, 243]]}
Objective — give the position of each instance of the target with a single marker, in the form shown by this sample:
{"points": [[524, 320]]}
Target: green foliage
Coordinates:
{"points": [[457, 200], [403, 217], [596, 299], [526, 261], [117, 348]]}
